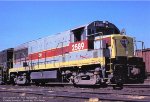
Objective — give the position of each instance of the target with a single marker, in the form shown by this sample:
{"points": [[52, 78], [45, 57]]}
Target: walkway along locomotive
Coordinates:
{"points": [[92, 54]]}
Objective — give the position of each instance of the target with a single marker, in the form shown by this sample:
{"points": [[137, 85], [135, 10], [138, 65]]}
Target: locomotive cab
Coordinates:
{"points": [[104, 40], [97, 32]]}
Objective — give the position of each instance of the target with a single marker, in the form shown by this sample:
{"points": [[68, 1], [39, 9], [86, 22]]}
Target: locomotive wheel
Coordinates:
{"points": [[141, 80], [27, 82], [42, 83], [14, 81], [2, 83], [118, 86], [37, 83], [103, 84]]}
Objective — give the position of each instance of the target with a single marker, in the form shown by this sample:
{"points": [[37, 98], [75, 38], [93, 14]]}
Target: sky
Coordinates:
{"points": [[24, 21]]}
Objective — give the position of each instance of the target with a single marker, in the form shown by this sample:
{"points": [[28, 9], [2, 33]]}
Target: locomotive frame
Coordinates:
{"points": [[92, 54]]}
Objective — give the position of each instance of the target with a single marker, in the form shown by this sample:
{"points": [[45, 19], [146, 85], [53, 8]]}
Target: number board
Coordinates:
{"points": [[77, 46]]}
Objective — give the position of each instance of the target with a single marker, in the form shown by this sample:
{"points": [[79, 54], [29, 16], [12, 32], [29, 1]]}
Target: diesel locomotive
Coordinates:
{"points": [[93, 54]]}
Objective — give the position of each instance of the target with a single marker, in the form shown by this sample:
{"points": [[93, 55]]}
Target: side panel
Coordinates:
{"points": [[57, 65], [57, 52], [44, 75]]}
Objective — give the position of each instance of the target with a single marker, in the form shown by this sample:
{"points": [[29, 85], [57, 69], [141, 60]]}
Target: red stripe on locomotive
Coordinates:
{"points": [[77, 46], [107, 40]]}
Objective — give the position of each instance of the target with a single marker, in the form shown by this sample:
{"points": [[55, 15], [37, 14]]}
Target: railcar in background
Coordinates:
{"points": [[92, 54], [145, 54]]}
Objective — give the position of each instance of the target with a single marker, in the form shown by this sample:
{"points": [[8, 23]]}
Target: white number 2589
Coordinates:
{"points": [[78, 46]]}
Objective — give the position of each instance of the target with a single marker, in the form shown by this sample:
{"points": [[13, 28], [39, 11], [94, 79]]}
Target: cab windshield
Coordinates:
{"points": [[104, 31]]}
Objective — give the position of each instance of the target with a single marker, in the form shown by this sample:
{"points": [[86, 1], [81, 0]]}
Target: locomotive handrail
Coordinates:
{"points": [[143, 46]]}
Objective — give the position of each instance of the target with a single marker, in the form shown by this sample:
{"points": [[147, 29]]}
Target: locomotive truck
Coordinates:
{"points": [[93, 54]]}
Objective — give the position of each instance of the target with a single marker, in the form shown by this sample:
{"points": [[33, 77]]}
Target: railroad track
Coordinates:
{"points": [[137, 85], [98, 86], [102, 95], [133, 86], [147, 85]]}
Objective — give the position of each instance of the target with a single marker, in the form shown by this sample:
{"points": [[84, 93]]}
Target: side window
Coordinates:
{"points": [[90, 31], [78, 34], [20, 55]]}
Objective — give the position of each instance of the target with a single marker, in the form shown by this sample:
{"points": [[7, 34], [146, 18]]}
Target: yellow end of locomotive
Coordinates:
{"points": [[121, 45]]}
